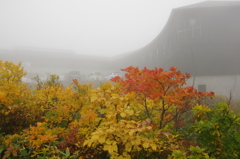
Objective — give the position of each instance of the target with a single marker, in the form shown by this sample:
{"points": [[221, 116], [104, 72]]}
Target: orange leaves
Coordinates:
{"points": [[116, 79], [75, 81], [40, 135], [153, 83], [165, 87], [173, 69], [88, 117]]}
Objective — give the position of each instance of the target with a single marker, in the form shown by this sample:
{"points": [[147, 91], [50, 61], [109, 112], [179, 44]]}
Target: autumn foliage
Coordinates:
{"points": [[167, 89], [146, 114]]}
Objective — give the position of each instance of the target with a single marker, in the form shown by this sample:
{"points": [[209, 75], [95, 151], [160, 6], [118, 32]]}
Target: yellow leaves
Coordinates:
{"points": [[153, 146], [98, 95], [101, 139], [132, 132], [14, 98], [217, 133], [87, 143], [129, 112], [123, 114], [11, 72], [105, 116], [146, 145], [94, 98], [115, 96], [5, 112], [126, 112], [218, 149], [128, 147], [2, 96], [10, 83], [235, 154], [201, 110], [124, 135], [110, 147], [136, 140], [95, 137]]}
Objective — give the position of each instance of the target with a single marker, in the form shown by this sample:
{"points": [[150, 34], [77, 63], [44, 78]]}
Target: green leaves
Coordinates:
{"points": [[218, 131], [66, 154]]}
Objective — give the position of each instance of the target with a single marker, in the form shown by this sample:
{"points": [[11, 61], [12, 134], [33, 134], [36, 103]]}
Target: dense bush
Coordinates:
{"points": [[217, 130], [146, 114]]}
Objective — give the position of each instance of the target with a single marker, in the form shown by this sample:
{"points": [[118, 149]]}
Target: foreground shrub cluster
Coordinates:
{"points": [[146, 114]]}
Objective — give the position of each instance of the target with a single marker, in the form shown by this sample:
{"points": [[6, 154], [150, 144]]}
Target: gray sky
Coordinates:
{"points": [[93, 27]]}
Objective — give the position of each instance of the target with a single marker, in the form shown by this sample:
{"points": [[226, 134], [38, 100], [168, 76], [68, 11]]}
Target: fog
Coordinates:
{"points": [[104, 28], [92, 40]]}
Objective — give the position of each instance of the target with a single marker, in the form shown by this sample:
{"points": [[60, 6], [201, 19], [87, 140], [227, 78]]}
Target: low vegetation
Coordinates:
{"points": [[147, 114]]}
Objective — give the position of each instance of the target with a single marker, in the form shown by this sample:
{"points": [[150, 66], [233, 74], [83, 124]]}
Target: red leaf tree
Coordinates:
{"points": [[168, 88]]}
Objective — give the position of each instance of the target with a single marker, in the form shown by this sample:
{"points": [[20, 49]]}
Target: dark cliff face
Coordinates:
{"points": [[202, 40]]}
